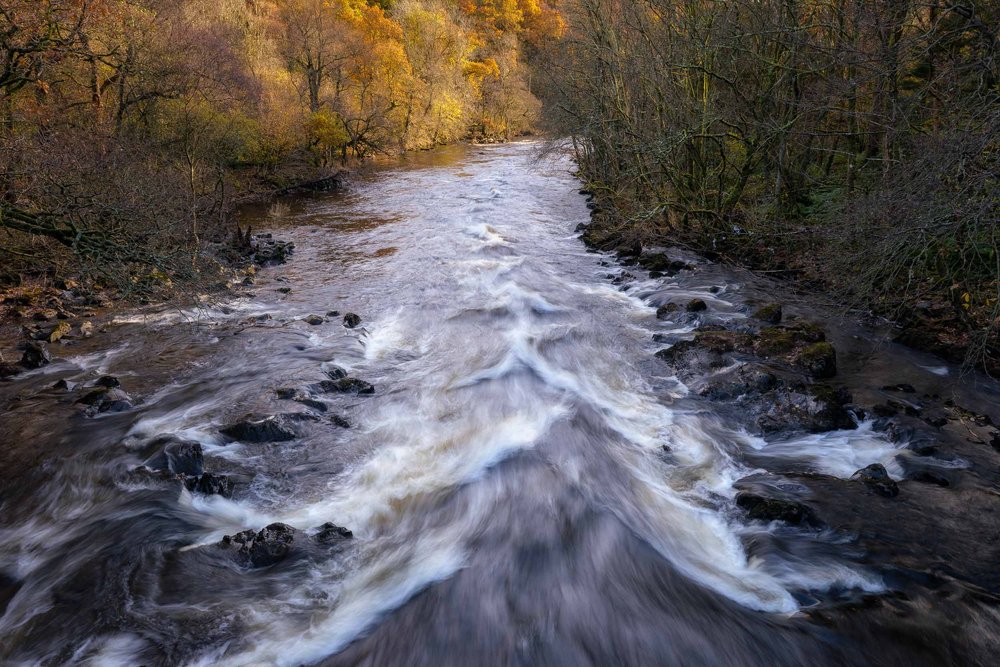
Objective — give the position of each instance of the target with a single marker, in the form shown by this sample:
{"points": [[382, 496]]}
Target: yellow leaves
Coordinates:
{"points": [[327, 128]]}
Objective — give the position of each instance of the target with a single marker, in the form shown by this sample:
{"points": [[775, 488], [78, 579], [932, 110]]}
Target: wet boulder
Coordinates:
{"points": [[8, 369], [771, 313], [744, 381], [666, 310], [344, 385], [813, 408], [764, 508], [661, 265], [105, 399], [335, 372], [108, 382], [268, 252], [35, 356], [819, 360], [696, 306], [876, 478], [180, 457], [352, 320], [210, 484], [255, 429], [330, 533], [314, 320], [262, 548]]}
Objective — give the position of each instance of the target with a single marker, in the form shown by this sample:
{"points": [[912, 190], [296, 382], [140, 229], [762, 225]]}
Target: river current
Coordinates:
{"points": [[528, 485]]}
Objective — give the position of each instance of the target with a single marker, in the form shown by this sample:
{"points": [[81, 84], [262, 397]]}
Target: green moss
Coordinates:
{"points": [[771, 313], [775, 341], [819, 360]]}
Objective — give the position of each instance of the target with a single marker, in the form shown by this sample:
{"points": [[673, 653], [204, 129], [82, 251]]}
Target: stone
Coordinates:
{"points": [[336, 372], [664, 311], [771, 313], [262, 548], [351, 320], [901, 387], [763, 508], [8, 370], [272, 428], [108, 381], [180, 457], [314, 320], [345, 386], [696, 306], [210, 484], [35, 356], [332, 533], [819, 360], [876, 478], [87, 329], [59, 331]]}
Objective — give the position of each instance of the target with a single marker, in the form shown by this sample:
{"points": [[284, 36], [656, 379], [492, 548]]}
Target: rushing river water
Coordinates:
{"points": [[507, 484]]}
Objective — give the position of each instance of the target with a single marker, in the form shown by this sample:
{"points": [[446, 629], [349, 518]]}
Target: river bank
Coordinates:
{"points": [[447, 433]]}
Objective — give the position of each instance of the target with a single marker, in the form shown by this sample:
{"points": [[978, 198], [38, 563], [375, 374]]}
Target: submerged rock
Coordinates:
{"points": [[818, 360], [876, 478], [331, 533], [272, 428], [8, 370], [104, 399], [763, 508], [351, 320], [181, 457], [262, 548], [813, 408], [771, 313], [345, 386], [314, 320], [696, 306], [664, 311]]}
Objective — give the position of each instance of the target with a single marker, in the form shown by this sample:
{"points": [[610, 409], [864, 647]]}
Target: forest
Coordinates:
{"points": [[128, 128], [849, 144]]}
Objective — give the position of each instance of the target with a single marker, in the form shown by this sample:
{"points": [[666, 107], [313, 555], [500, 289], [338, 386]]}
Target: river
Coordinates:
{"points": [[527, 485]]}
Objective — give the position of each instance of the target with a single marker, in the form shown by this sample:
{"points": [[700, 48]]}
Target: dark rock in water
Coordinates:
{"points": [[629, 252], [877, 479], [745, 380], [265, 547], [818, 360], [273, 428], [336, 373], [109, 381], [621, 278], [351, 320], [722, 341], [104, 399], [319, 406], [761, 508], [286, 393], [771, 313], [8, 370], [268, 252], [63, 385], [664, 311], [816, 408], [345, 386], [181, 457], [995, 440], [929, 477], [901, 387], [35, 356], [333, 313], [330, 533], [314, 320], [210, 484], [340, 421], [661, 264], [936, 418], [696, 306], [284, 290]]}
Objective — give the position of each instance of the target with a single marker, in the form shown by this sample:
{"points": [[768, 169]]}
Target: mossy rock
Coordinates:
{"points": [[775, 341], [771, 313], [819, 360], [723, 341]]}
